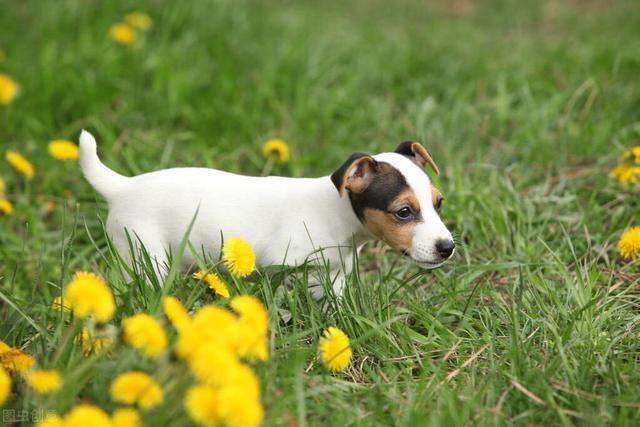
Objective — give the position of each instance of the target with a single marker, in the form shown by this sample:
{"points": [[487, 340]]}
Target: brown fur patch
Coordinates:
{"points": [[418, 154], [384, 224], [436, 196], [358, 175], [422, 152], [406, 198], [398, 235]]}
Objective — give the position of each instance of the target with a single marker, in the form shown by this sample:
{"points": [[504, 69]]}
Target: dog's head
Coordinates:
{"points": [[393, 197]]}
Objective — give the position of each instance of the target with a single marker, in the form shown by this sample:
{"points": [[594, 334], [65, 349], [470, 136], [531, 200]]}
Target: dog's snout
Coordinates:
{"points": [[445, 247]]}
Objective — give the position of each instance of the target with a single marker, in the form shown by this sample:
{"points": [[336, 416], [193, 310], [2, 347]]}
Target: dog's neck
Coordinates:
{"points": [[331, 233], [312, 216], [337, 213]]}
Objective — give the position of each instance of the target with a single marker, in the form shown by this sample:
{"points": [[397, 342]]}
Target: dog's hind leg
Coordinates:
{"points": [[318, 281], [153, 261], [144, 258]]}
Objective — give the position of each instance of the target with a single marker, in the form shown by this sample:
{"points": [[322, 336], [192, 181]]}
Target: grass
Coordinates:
{"points": [[525, 106]]}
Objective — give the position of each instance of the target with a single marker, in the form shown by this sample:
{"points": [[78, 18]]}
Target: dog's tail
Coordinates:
{"points": [[104, 180]]}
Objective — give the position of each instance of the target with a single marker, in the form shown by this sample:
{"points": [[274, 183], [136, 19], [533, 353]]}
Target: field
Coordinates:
{"points": [[526, 107]]}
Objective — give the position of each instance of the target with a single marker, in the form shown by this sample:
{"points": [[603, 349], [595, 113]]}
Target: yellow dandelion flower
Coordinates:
{"points": [[61, 149], [122, 33], [5, 386], [233, 400], [211, 324], [60, 303], [238, 257], [91, 343], [632, 176], [8, 89], [51, 420], [88, 294], [239, 409], [218, 367], [85, 415], [44, 381], [126, 417], [143, 332], [3, 186], [14, 360], [213, 365], [203, 405], [632, 153], [20, 163], [245, 378], [175, 312], [215, 283], [629, 244], [276, 147], [139, 20], [335, 349], [626, 174], [136, 388], [619, 170], [6, 208], [253, 324]]}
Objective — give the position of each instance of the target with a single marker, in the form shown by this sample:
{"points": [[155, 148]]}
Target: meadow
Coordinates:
{"points": [[526, 107]]}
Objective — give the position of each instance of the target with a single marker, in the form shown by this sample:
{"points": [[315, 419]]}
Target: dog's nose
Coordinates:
{"points": [[445, 247]]}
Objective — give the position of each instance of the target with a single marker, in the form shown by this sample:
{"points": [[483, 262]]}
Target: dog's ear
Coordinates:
{"points": [[355, 174], [416, 152]]}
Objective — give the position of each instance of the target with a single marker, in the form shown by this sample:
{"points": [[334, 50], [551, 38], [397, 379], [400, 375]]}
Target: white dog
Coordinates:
{"points": [[287, 221]]}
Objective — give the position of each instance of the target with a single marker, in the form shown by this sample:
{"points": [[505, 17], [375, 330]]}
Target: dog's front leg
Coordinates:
{"points": [[319, 281]]}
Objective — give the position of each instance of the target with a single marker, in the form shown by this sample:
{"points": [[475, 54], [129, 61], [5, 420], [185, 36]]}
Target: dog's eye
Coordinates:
{"points": [[404, 213], [438, 204]]}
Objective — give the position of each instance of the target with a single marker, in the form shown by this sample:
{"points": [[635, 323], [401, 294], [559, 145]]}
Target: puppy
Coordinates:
{"points": [[287, 221]]}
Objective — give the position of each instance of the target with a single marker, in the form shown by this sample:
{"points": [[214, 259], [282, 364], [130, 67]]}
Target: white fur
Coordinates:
{"points": [[285, 220], [431, 228]]}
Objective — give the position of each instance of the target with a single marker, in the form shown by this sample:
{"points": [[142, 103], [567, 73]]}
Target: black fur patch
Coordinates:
{"points": [[338, 176], [405, 149], [387, 184]]}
